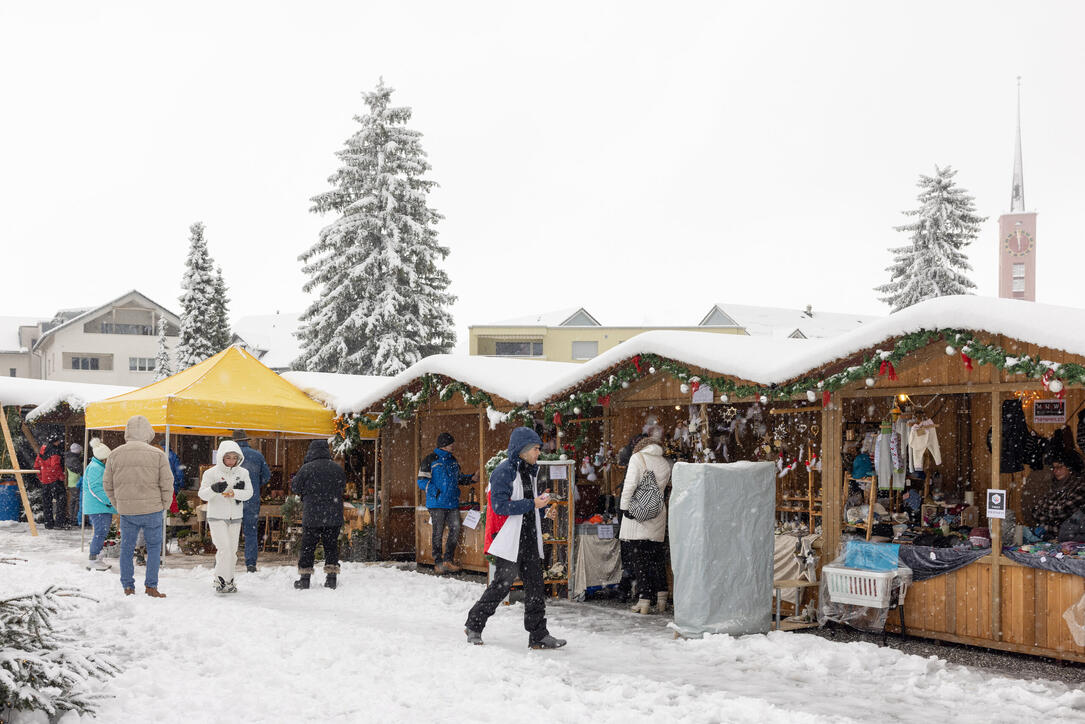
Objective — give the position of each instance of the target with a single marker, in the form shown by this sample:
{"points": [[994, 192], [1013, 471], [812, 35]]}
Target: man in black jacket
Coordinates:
{"points": [[320, 482]]}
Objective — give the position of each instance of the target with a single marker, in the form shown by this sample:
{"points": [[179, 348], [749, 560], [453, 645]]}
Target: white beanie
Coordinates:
{"points": [[76, 448], [100, 449]]}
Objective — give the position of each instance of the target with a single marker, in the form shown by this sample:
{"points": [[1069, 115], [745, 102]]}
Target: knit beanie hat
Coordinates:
{"points": [[99, 448], [76, 448], [444, 440]]}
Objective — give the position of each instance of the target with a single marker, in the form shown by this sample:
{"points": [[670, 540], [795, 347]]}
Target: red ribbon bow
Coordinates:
{"points": [[694, 385], [636, 363], [967, 361], [604, 400], [887, 366], [557, 419], [826, 398]]}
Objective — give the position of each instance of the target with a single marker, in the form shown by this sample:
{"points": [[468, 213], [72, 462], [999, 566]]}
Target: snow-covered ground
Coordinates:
{"points": [[388, 645]]}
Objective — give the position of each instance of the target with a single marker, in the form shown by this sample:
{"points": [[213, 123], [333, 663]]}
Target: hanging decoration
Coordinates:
{"points": [[882, 363]]}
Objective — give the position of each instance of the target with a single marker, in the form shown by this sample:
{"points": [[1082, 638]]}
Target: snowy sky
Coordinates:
{"points": [[601, 154]]}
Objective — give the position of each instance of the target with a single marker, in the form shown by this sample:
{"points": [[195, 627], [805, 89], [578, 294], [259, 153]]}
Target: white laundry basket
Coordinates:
{"points": [[860, 587]]}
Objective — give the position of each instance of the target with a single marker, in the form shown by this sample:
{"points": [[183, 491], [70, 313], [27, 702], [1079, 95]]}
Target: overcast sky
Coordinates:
{"points": [[605, 155]]}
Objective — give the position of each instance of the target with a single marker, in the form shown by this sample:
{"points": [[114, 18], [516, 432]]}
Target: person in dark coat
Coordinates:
{"points": [[514, 540], [50, 467], [259, 474], [320, 482], [73, 470], [440, 477]]}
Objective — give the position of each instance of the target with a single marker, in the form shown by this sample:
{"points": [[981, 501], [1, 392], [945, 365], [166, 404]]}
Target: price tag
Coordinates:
{"points": [[605, 531], [472, 518]]}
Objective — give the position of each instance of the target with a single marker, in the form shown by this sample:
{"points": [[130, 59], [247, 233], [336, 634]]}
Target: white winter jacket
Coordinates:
{"points": [[650, 458], [220, 507]]}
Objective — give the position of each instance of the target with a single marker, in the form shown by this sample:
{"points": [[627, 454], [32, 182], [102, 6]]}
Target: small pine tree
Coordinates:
{"points": [[197, 303], [163, 368], [220, 324], [43, 668], [932, 265], [382, 296]]}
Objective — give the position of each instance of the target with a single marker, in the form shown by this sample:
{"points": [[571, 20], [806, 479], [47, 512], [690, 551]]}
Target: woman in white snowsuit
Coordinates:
{"points": [[645, 537], [226, 487]]}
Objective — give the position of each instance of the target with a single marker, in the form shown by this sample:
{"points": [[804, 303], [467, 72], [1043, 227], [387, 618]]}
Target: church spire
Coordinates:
{"points": [[1017, 196]]}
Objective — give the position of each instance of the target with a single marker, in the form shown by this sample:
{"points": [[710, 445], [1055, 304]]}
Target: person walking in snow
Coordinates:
{"points": [[259, 474], [73, 473], [645, 537], [138, 482], [514, 539], [439, 476], [50, 467], [225, 487], [320, 482], [96, 505]]}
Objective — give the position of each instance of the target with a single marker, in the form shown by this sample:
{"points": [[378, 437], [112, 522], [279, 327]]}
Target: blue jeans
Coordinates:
{"points": [[101, 523], [249, 525], [131, 525]]}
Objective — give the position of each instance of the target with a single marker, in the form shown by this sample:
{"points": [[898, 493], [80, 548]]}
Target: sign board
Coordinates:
{"points": [[996, 503], [558, 472], [1053, 411], [704, 393], [605, 531], [471, 519]]}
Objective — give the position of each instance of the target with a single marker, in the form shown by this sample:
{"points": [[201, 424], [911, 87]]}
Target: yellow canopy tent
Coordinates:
{"points": [[232, 390]]}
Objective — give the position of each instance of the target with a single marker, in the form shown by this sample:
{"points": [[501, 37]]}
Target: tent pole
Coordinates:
{"points": [[83, 518], [166, 512]]}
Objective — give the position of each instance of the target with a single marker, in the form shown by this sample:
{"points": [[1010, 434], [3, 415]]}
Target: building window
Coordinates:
{"points": [[11, 371], [110, 328], [518, 349], [1018, 278], [84, 363], [585, 350], [141, 364]]}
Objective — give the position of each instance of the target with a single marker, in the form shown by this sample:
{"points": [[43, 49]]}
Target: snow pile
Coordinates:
{"points": [[388, 645], [49, 394]]}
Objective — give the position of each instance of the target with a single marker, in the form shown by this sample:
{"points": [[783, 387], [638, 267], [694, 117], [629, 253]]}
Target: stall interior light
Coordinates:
{"points": [[903, 398], [678, 407]]}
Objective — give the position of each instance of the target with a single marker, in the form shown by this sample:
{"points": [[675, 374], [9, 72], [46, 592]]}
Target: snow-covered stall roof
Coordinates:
{"points": [[781, 322], [512, 379], [47, 395], [336, 391]]}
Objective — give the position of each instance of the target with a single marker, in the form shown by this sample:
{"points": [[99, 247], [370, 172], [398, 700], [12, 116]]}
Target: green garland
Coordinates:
{"points": [[640, 366]]}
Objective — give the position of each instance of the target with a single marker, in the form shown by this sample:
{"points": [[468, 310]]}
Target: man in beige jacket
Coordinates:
{"points": [[139, 483]]}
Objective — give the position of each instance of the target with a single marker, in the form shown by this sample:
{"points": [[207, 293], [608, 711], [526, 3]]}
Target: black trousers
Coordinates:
{"points": [[54, 498], [310, 536], [530, 571], [649, 568], [445, 518]]}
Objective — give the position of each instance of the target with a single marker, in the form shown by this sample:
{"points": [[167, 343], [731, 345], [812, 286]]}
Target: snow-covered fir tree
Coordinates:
{"points": [[382, 299], [197, 341], [220, 324], [163, 368], [933, 264]]}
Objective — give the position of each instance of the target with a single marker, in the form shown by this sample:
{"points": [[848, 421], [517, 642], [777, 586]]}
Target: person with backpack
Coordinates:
{"points": [[644, 521], [440, 477]]}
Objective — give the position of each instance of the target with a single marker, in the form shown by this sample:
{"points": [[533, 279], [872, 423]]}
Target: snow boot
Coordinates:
{"points": [[643, 605], [251, 569], [129, 591], [302, 582], [451, 567], [97, 564], [473, 637], [661, 602], [547, 642], [231, 587], [440, 568], [331, 580], [220, 584], [153, 592]]}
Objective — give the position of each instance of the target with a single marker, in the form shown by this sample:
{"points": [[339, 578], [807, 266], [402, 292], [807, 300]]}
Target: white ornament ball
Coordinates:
{"points": [[869, 381], [651, 370], [625, 385], [563, 456], [811, 395], [1055, 386], [950, 351], [724, 397], [764, 400], [684, 388], [576, 410]]}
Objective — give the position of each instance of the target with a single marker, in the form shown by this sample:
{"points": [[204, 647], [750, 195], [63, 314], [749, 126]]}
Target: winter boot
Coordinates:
{"points": [[129, 591], [643, 605], [440, 568], [302, 582], [661, 602], [251, 569], [97, 564], [220, 584], [547, 642], [330, 580], [231, 587], [153, 592], [473, 637], [451, 567]]}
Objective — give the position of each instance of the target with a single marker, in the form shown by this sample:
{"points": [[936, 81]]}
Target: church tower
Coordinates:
{"points": [[1017, 234]]}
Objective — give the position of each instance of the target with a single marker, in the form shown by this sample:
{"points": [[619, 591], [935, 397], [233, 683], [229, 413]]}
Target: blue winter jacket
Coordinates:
{"points": [[440, 476], [178, 472], [94, 497], [502, 477], [259, 474]]}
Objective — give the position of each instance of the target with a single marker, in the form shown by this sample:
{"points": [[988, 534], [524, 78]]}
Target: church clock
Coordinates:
{"points": [[1018, 243]]}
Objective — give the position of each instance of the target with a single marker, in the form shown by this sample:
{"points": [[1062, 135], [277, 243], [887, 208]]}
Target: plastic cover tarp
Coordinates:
{"points": [[720, 518]]}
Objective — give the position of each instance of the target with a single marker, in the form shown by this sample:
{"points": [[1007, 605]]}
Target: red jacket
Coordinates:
{"points": [[50, 468], [493, 522]]}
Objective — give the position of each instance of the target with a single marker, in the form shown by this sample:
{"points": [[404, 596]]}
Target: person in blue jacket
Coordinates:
{"points": [[439, 475], [96, 505], [259, 474]]}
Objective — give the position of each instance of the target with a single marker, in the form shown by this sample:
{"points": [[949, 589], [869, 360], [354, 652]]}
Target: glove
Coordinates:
{"points": [[219, 486], [239, 485], [627, 514]]}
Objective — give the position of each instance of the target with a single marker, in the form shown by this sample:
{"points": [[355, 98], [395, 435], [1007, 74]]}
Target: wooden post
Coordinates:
{"points": [[18, 473], [831, 511], [994, 523]]}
